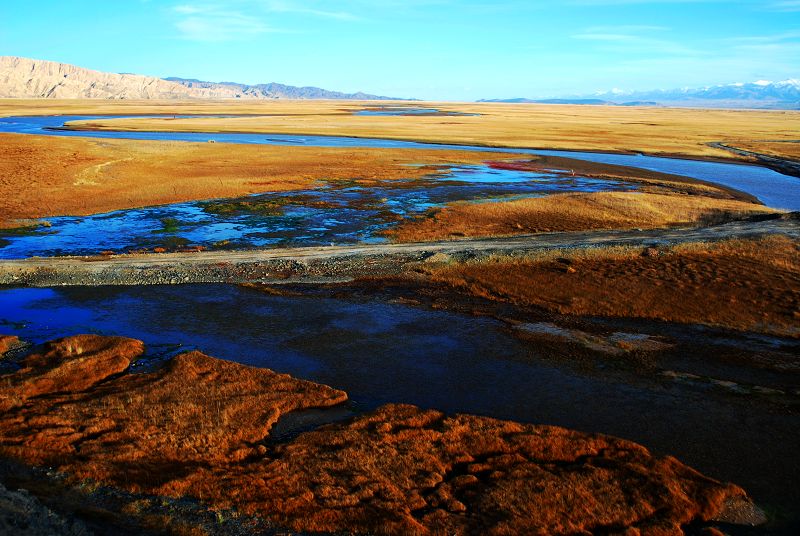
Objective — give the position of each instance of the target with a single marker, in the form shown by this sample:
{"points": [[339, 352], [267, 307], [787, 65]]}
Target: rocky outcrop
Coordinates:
{"points": [[27, 78], [21, 514], [200, 426]]}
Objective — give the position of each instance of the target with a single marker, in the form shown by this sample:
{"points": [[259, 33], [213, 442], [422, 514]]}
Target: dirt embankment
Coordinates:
{"points": [[201, 427], [783, 157], [338, 263]]}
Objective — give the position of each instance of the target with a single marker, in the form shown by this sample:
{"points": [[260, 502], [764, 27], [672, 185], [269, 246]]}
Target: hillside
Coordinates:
{"points": [[29, 78], [274, 90]]}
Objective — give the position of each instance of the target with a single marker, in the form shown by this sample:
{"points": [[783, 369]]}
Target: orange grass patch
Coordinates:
{"points": [[571, 212], [751, 285]]}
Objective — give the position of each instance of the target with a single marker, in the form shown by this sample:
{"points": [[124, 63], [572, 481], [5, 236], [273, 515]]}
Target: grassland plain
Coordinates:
{"points": [[594, 128], [571, 212], [51, 176], [48, 176], [371, 474], [598, 128]]}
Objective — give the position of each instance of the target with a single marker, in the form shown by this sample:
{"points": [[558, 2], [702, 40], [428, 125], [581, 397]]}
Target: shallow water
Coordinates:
{"points": [[772, 188], [383, 352], [413, 111], [330, 214]]}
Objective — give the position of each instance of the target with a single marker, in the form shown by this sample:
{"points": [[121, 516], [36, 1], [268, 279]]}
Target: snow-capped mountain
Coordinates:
{"points": [[759, 94], [783, 95]]}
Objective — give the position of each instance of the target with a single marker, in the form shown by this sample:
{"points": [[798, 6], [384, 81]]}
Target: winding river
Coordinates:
{"points": [[772, 188], [380, 351], [333, 213]]}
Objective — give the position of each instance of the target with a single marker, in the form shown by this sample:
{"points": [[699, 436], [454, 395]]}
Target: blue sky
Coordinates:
{"points": [[433, 49]]}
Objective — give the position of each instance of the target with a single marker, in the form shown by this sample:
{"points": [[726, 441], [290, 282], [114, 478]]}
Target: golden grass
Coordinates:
{"points": [[571, 212], [751, 285], [49, 176], [607, 128]]}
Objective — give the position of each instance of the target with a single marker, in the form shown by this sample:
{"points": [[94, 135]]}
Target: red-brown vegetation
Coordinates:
{"points": [[742, 284], [7, 342], [404, 470], [68, 365], [571, 212], [198, 426]]}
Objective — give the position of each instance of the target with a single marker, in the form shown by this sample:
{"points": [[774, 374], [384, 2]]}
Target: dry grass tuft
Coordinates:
{"points": [[751, 285], [572, 212]]}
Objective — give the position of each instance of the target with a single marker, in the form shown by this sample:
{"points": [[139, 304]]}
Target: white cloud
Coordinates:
{"points": [[215, 23], [604, 37], [627, 28], [304, 9], [239, 20], [634, 38], [187, 10]]}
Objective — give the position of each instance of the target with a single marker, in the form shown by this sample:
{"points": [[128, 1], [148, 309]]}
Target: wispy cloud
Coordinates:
{"points": [[240, 20], [784, 43], [305, 9], [211, 22], [770, 38], [617, 33], [628, 28], [595, 36], [634, 38], [632, 2], [785, 5]]}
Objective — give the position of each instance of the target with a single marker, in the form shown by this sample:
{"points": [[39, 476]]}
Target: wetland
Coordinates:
{"points": [[492, 300]]}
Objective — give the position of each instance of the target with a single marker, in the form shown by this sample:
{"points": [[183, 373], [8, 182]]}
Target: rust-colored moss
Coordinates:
{"points": [[197, 428]]}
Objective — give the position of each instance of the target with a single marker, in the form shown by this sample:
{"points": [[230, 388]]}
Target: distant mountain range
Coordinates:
{"points": [[784, 95], [28, 78], [274, 90]]}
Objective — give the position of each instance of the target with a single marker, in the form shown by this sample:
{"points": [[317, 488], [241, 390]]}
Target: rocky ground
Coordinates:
{"points": [[201, 427], [23, 515], [335, 263]]}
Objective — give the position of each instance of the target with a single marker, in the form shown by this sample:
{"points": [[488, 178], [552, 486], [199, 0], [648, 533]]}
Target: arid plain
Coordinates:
{"points": [[658, 307]]}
